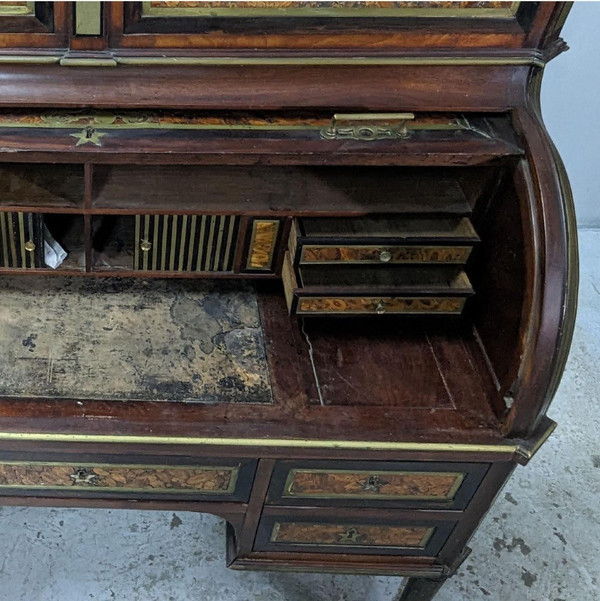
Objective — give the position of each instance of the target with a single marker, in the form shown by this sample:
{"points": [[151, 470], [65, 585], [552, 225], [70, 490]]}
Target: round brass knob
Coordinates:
{"points": [[380, 308], [29, 246], [146, 245], [385, 256]]}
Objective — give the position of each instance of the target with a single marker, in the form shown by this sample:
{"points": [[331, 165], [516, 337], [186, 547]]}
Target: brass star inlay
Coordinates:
{"points": [[88, 135]]}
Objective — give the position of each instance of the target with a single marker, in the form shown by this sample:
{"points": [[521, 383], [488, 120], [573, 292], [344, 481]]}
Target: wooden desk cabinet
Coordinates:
{"points": [[365, 265]]}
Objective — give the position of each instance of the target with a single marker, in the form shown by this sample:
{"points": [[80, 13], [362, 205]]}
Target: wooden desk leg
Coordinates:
{"points": [[421, 589]]}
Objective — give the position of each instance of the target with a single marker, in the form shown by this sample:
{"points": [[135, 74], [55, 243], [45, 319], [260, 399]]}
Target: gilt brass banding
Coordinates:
{"points": [[4, 239], [88, 18]]}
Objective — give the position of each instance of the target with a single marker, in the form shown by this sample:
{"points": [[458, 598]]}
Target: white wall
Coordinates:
{"points": [[571, 108]]}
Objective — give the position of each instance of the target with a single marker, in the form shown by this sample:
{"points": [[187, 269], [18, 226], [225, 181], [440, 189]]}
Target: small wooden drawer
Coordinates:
{"points": [[381, 240], [21, 240], [374, 535], [411, 485], [264, 238], [222, 480], [370, 291], [180, 243]]}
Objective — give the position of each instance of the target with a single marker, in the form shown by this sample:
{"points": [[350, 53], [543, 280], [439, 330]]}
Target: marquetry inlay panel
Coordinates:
{"points": [[380, 305], [418, 486], [351, 535], [387, 254], [150, 478], [262, 244]]}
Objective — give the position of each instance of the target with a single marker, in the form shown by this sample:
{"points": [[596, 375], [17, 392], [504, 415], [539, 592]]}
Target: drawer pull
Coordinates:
{"points": [[380, 308], [385, 256], [29, 246], [373, 484], [146, 245]]}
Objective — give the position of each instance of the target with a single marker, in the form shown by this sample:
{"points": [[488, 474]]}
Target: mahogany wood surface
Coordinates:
{"points": [[367, 395]]}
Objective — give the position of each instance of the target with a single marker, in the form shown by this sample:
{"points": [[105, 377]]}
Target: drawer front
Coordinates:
{"points": [[21, 240], [264, 234], [417, 485], [372, 305], [420, 537], [180, 243], [55, 478], [383, 254]]}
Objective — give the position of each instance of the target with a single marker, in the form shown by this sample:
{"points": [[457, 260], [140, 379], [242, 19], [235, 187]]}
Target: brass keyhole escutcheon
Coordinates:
{"points": [[146, 245], [380, 308], [385, 256], [85, 476], [30, 246], [373, 484], [352, 535]]}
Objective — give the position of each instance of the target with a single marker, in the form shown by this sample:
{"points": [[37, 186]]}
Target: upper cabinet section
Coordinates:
{"points": [[327, 25], [33, 24], [340, 28]]}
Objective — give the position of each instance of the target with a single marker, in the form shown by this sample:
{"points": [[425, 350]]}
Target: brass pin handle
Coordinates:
{"points": [[30, 246], [385, 256], [380, 308], [145, 245]]}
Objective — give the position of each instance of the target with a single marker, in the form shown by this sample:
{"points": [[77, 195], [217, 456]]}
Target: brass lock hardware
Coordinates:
{"points": [[385, 256], [373, 483], [85, 476], [368, 127], [380, 307], [29, 246], [145, 245], [352, 535]]}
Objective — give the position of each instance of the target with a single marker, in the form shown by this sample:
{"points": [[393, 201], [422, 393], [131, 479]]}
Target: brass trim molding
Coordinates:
{"points": [[510, 448], [533, 59]]}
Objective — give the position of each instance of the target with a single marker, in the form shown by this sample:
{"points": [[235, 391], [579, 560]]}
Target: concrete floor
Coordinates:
{"points": [[540, 542]]}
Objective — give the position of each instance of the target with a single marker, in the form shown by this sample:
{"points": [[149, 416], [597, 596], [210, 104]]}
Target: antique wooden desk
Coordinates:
{"points": [[387, 244]]}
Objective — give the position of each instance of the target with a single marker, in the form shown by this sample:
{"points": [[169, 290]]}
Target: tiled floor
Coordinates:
{"points": [[540, 542]]}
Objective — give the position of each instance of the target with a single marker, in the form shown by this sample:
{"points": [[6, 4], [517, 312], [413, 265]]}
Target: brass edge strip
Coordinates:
{"points": [[3, 238], [155, 228], [527, 452], [537, 61], [174, 237], [191, 242], [113, 61], [8, 9], [11, 239], [88, 18], [136, 251], [260, 442], [22, 241], [147, 239]]}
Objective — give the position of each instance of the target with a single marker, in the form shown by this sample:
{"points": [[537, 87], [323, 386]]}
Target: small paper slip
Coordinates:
{"points": [[54, 253]]}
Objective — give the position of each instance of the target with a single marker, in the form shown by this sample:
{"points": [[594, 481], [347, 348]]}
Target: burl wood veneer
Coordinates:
{"points": [[320, 275]]}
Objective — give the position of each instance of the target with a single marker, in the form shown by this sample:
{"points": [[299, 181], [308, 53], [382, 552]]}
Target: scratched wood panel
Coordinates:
{"points": [[115, 339]]}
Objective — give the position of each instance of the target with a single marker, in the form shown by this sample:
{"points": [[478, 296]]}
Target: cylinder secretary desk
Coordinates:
{"points": [[308, 266]]}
